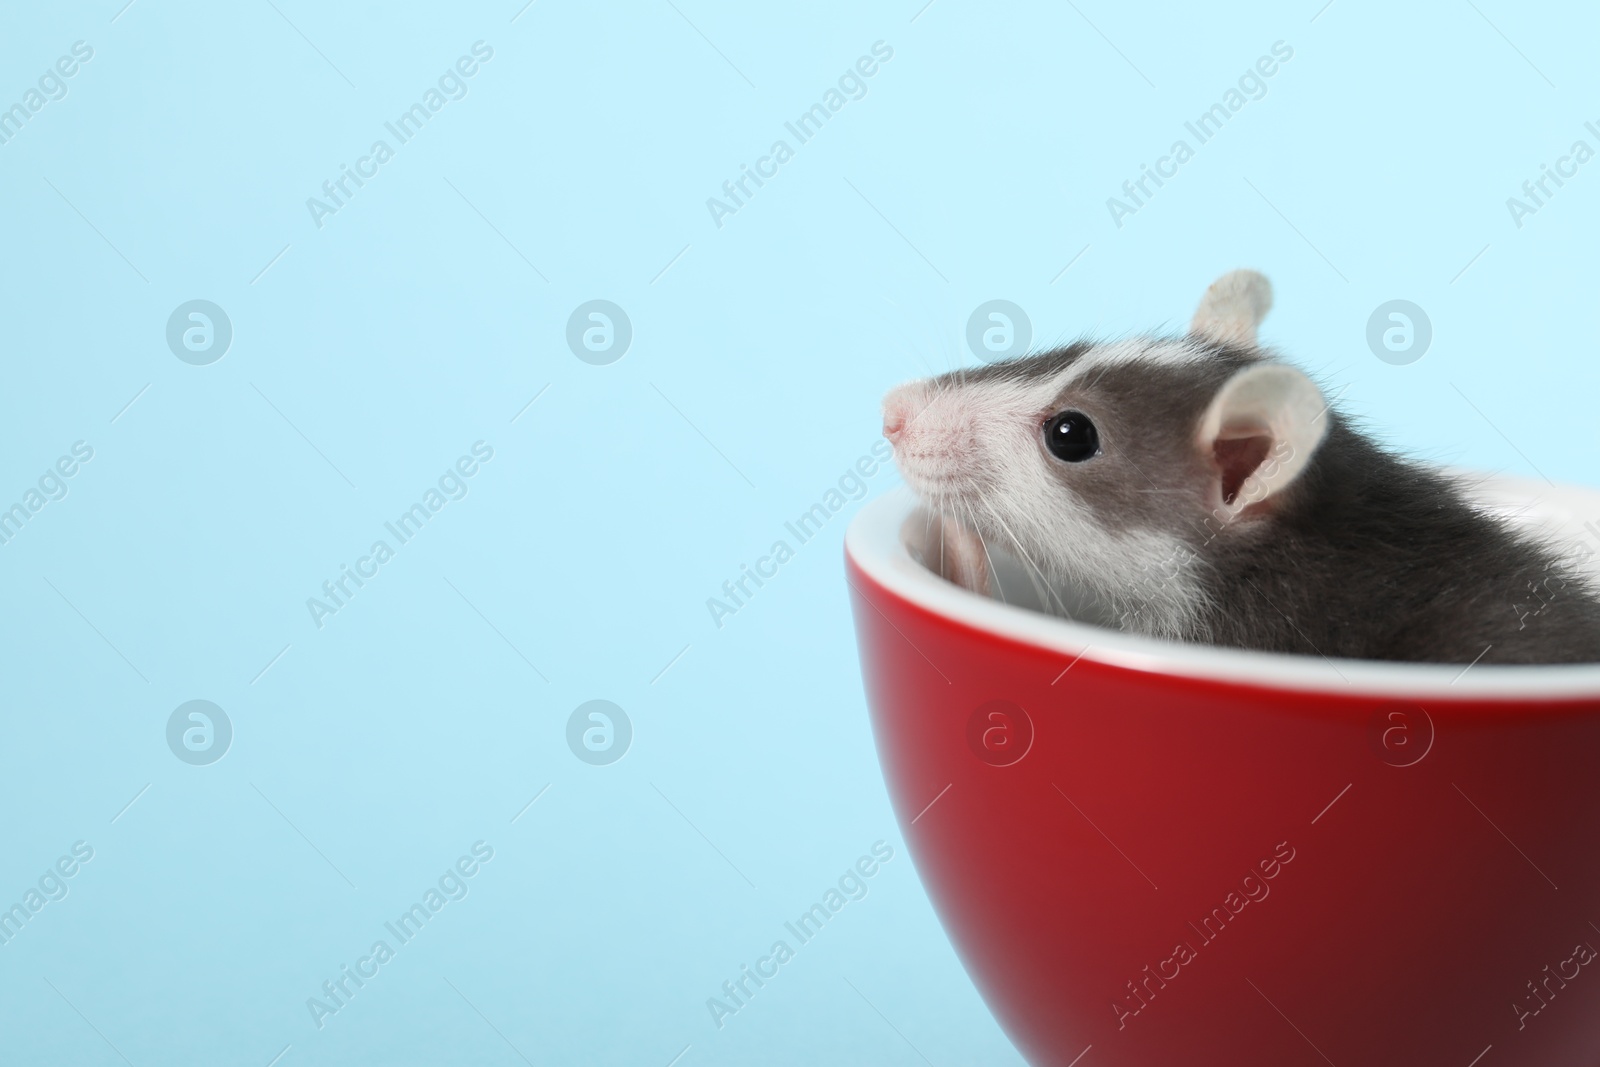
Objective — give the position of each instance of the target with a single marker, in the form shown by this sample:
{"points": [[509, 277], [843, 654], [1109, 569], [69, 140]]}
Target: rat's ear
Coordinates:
{"points": [[1261, 430], [1233, 307]]}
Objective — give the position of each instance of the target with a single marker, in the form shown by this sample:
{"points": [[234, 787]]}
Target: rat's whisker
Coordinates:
{"points": [[1049, 590]]}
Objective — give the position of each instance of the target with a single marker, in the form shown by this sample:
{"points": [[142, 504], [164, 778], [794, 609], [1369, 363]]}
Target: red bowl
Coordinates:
{"points": [[1151, 854]]}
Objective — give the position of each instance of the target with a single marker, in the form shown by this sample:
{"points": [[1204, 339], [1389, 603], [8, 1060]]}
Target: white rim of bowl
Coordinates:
{"points": [[874, 542]]}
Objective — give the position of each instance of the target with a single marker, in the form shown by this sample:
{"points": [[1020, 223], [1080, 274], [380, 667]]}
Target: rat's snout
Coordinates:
{"points": [[934, 436], [900, 407]]}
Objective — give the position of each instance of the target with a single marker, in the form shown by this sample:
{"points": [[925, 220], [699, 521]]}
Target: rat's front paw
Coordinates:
{"points": [[957, 554]]}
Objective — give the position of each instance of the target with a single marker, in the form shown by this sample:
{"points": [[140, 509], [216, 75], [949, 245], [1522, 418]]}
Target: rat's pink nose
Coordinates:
{"points": [[899, 407]]}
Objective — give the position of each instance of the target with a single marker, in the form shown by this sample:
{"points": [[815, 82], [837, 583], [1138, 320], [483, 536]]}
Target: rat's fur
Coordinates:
{"points": [[1350, 550]]}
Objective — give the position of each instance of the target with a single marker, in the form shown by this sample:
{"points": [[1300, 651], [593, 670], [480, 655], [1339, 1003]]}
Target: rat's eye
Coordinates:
{"points": [[1071, 437]]}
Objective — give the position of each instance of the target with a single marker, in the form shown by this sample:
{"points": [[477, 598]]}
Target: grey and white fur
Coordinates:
{"points": [[1229, 503]]}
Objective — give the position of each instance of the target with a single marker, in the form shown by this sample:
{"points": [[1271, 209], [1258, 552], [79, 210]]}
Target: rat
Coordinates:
{"points": [[1201, 489]]}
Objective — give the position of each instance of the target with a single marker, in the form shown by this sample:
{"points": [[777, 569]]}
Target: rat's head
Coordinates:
{"points": [[1114, 465]]}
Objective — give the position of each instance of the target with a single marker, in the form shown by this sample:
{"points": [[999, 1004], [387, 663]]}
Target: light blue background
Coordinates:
{"points": [[377, 749]]}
